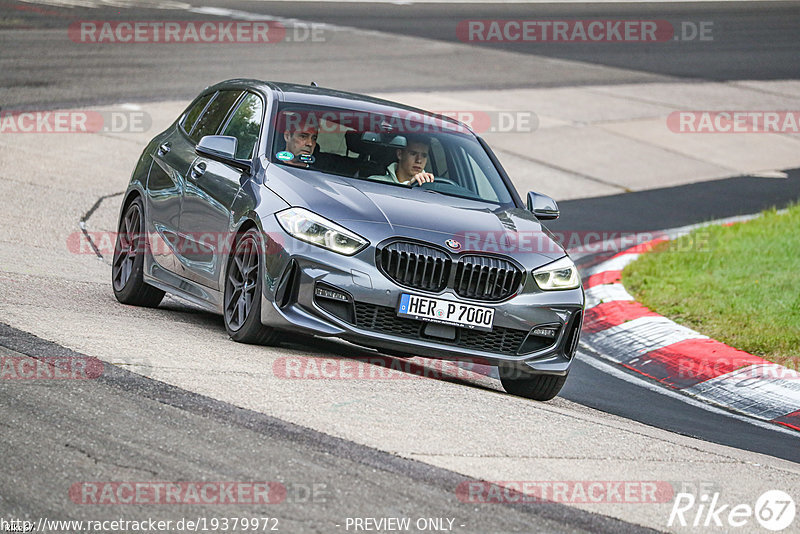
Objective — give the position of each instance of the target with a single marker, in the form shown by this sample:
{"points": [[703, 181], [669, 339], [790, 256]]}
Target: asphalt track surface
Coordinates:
{"points": [[753, 41], [674, 207], [92, 431], [750, 40]]}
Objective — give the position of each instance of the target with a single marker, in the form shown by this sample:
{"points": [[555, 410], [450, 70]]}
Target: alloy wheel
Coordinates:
{"points": [[128, 241], [241, 282]]}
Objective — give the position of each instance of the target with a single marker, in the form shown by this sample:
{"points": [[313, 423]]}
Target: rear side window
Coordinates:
{"points": [[215, 113], [245, 125], [194, 112]]}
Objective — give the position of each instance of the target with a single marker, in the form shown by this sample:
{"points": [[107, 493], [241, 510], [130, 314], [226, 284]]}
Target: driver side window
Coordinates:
{"points": [[211, 119], [245, 125], [194, 112]]}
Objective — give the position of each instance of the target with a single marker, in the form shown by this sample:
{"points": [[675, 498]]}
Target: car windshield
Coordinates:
{"points": [[389, 148]]}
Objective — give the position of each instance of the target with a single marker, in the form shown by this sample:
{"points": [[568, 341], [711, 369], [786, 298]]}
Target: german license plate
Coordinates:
{"points": [[445, 312]]}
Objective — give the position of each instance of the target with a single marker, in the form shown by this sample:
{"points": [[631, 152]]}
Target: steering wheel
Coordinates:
{"points": [[438, 180]]}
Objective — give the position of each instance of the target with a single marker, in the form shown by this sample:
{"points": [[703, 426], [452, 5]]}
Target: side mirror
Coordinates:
{"points": [[217, 146], [544, 207], [221, 148]]}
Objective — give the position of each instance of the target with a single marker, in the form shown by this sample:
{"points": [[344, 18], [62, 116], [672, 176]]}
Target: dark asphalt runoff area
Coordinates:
{"points": [[743, 40], [62, 432], [674, 207], [751, 40]]}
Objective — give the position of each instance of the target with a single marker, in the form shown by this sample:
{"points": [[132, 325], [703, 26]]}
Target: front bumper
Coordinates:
{"points": [[368, 315]]}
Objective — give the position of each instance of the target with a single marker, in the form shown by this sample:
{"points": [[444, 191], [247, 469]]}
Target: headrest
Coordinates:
{"points": [[372, 143], [354, 143]]}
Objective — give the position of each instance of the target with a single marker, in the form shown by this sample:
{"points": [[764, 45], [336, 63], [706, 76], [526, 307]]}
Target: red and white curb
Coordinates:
{"points": [[624, 331]]}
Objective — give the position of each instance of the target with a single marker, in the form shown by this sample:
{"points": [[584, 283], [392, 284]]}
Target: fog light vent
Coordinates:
{"points": [[546, 331], [335, 301], [332, 294], [541, 337]]}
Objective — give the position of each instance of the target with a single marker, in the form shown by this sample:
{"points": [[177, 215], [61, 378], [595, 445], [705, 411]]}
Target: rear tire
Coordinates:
{"points": [[531, 386], [127, 268], [242, 298]]}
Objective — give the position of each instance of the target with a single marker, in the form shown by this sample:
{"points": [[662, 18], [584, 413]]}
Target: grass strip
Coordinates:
{"points": [[738, 284]]}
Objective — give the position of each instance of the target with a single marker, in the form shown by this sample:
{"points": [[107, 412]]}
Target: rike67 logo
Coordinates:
{"points": [[774, 510]]}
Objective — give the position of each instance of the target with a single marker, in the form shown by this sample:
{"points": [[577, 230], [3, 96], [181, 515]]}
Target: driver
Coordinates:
{"points": [[409, 169]]}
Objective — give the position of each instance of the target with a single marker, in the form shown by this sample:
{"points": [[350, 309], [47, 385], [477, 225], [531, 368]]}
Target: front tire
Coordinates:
{"points": [[531, 386], [242, 297], [128, 266]]}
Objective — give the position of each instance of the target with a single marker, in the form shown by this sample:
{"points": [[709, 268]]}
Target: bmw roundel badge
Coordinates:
{"points": [[452, 243]]}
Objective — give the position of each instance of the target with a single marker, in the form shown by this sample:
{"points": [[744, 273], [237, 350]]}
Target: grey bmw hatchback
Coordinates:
{"points": [[290, 208]]}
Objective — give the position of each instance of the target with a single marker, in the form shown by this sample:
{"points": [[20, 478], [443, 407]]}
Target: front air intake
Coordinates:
{"points": [[289, 284], [573, 336]]}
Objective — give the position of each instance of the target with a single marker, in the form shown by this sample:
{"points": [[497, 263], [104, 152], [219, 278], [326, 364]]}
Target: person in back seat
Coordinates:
{"points": [[409, 168]]}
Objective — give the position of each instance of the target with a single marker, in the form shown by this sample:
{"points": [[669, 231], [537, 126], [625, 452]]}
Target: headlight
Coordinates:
{"points": [[561, 274], [312, 228]]}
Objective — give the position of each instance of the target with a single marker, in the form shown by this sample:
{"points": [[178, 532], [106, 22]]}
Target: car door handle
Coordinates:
{"points": [[198, 169], [163, 149]]}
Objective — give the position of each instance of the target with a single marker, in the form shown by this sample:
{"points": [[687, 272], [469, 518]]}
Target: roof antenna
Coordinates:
{"points": [[313, 84]]}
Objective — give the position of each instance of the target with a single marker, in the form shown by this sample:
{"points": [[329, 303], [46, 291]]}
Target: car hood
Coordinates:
{"points": [[378, 211]]}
